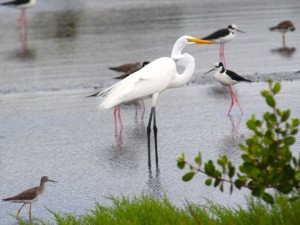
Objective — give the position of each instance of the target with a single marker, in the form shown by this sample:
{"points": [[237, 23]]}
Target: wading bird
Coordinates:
{"points": [[29, 196], [128, 68], [23, 5], [283, 27], [151, 80], [228, 78], [223, 36]]}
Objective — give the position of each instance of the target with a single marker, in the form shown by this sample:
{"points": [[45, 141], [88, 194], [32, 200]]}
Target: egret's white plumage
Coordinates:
{"points": [[153, 79]]}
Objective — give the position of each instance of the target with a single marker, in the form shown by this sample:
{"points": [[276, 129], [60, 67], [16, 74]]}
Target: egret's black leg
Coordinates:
{"points": [[155, 136], [148, 136]]}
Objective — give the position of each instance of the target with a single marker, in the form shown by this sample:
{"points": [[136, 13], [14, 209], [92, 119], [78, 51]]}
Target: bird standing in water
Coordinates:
{"points": [[29, 196], [23, 5], [223, 36], [151, 80], [228, 78], [283, 27]]}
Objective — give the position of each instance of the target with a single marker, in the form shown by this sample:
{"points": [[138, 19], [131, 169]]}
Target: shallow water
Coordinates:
{"points": [[48, 127]]}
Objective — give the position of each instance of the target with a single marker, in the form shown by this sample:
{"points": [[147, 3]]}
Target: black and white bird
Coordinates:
{"points": [[223, 36], [23, 5], [228, 78], [283, 27]]}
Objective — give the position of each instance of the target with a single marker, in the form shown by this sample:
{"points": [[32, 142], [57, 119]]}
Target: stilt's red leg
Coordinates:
{"points": [[115, 116], [237, 102], [221, 58], [119, 115], [232, 101], [223, 54]]}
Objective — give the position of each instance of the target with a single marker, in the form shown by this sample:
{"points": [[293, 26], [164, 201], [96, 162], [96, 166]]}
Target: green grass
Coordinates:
{"points": [[146, 210]]}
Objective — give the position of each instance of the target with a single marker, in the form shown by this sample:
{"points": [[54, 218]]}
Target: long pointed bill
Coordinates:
{"points": [[209, 71], [200, 41], [241, 31], [52, 181]]}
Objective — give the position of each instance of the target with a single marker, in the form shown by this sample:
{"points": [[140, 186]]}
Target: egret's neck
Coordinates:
{"points": [[188, 62], [177, 49]]}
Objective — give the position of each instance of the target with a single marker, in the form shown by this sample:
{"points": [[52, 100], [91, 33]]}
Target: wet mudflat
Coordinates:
{"points": [[48, 127]]}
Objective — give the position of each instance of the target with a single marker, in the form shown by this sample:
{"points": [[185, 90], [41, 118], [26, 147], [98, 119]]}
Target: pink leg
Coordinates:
{"points": [[119, 115], [232, 101], [115, 117], [223, 55], [237, 102]]}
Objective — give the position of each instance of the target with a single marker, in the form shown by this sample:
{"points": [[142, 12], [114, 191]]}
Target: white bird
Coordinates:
{"points": [[228, 78], [23, 5], [151, 80], [223, 36]]}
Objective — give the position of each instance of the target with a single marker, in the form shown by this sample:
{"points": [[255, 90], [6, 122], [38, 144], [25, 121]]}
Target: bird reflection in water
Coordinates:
{"points": [[154, 184], [284, 51], [235, 123], [119, 137]]}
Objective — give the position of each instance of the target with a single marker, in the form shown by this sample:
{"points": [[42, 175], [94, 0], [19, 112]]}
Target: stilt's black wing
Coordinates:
{"points": [[236, 77], [217, 34], [16, 2]]}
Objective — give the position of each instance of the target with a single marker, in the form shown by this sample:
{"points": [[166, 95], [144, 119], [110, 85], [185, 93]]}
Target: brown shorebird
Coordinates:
{"points": [[283, 27], [130, 69], [29, 196], [125, 67]]}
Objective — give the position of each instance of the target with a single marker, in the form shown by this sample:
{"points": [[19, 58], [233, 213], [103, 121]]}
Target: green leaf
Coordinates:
{"points": [[198, 159], [209, 168], [270, 101], [208, 181], [289, 140], [276, 88], [285, 115], [188, 176], [268, 198]]}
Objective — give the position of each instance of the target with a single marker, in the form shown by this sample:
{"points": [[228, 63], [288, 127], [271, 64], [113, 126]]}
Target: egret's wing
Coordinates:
{"points": [[151, 79]]}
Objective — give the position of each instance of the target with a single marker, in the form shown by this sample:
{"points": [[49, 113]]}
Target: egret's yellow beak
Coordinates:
{"points": [[200, 41]]}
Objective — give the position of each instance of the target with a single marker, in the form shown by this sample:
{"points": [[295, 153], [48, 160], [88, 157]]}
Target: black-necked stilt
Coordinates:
{"points": [[23, 5], [283, 27], [29, 196], [228, 78], [223, 36]]}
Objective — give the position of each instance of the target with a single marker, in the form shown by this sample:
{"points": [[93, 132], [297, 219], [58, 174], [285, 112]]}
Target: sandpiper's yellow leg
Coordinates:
{"points": [[30, 212], [20, 210]]}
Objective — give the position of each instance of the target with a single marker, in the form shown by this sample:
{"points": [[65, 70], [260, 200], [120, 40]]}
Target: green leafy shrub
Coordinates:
{"points": [[267, 160]]}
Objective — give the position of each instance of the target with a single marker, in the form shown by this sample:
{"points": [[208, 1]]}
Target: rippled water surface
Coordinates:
{"points": [[48, 127]]}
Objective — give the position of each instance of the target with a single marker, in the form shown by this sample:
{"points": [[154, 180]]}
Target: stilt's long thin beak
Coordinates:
{"points": [[209, 71], [241, 31]]}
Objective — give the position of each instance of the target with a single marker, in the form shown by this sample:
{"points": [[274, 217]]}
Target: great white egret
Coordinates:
{"points": [[23, 5], [153, 79], [284, 27], [228, 78], [29, 196], [223, 36]]}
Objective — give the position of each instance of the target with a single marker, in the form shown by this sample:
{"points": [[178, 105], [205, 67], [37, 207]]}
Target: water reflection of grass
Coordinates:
{"points": [[147, 210]]}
